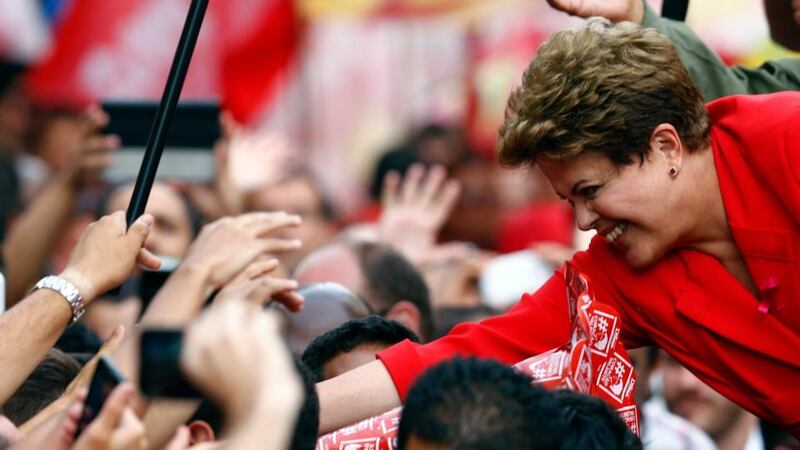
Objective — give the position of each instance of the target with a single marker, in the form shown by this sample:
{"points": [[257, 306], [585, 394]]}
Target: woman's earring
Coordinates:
{"points": [[673, 172]]}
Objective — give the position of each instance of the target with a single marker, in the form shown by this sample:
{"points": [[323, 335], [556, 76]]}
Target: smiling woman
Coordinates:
{"points": [[697, 210]]}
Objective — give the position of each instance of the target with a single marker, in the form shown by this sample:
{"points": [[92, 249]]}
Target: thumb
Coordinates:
{"points": [[141, 228]]}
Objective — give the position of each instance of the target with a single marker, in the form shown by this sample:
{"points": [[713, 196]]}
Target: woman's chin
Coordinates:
{"points": [[638, 259]]}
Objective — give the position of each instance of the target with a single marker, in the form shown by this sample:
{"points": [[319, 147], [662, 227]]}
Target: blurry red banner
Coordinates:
{"points": [[123, 49]]}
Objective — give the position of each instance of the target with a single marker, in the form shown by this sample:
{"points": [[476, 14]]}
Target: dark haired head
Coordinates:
{"points": [[388, 278], [195, 218], [467, 404], [395, 160], [10, 73], [345, 338], [44, 385], [591, 424], [307, 427]]}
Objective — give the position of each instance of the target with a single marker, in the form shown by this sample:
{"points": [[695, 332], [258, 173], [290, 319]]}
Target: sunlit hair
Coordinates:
{"points": [[602, 88]]}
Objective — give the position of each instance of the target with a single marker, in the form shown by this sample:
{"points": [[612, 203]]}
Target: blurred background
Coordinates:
{"points": [[342, 80]]}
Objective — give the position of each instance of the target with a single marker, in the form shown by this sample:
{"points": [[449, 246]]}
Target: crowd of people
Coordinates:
{"points": [[656, 170]]}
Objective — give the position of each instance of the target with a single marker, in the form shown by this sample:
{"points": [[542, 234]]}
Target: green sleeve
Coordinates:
{"points": [[714, 78]]}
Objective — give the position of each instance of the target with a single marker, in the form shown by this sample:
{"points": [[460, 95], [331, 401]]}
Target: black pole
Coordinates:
{"points": [[675, 9], [166, 110]]}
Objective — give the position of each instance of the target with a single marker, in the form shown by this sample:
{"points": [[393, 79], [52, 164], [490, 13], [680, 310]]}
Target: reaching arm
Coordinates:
{"points": [[342, 399], [34, 235], [103, 258], [713, 77], [537, 324], [38, 228]]}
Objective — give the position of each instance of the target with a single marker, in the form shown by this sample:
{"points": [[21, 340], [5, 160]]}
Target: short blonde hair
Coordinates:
{"points": [[602, 88]]}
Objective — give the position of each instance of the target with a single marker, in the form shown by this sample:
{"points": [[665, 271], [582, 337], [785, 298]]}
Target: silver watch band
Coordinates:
{"points": [[67, 290]]}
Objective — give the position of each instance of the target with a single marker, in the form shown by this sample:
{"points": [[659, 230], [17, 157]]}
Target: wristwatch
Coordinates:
{"points": [[67, 290]]}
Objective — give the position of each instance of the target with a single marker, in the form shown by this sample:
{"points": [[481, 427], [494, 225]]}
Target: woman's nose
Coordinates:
{"points": [[585, 217]]}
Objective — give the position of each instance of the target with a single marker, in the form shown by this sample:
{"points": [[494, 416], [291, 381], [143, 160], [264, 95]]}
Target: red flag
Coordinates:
{"points": [[123, 49]]}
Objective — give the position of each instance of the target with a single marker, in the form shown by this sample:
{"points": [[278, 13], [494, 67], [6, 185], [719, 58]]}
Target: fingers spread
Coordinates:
{"points": [[261, 223], [260, 267], [293, 301], [431, 185], [279, 245], [411, 183], [447, 198], [390, 185]]}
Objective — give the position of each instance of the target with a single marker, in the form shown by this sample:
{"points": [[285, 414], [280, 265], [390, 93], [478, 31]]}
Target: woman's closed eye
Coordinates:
{"points": [[589, 192]]}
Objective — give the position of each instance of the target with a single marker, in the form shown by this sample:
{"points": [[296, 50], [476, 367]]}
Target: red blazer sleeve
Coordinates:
{"points": [[539, 322]]}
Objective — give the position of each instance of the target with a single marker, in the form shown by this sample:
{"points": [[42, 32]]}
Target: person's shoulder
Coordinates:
{"points": [[764, 130], [764, 110]]}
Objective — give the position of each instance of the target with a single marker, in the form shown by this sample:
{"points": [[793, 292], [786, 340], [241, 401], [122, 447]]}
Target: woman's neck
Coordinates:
{"points": [[708, 229], [710, 232]]}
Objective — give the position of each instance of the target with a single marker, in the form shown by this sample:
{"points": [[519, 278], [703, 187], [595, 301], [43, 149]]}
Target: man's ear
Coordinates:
{"points": [[200, 431], [666, 142], [406, 313]]}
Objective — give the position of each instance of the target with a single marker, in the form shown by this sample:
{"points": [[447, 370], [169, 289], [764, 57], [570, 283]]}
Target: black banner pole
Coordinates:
{"points": [[675, 9], [166, 110]]}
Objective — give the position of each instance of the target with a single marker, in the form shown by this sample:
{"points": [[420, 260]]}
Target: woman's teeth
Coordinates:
{"points": [[616, 232]]}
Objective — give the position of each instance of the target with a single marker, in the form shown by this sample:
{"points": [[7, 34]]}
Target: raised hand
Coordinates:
{"points": [[257, 284], [94, 151], [107, 253], [613, 10], [247, 161], [235, 355], [116, 427], [224, 248], [416, 208]]}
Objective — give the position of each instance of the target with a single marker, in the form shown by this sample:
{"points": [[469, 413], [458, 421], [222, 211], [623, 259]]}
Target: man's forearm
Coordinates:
{"points": [[30, 242], [27, 332], [356, 395], [174, 306]]}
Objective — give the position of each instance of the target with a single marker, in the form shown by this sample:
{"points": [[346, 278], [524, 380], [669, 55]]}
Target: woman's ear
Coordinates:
{"points": [[666, 142]]}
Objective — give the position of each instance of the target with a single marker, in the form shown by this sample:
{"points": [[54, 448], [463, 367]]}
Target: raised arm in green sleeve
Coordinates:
{"points": [[714, 78]]}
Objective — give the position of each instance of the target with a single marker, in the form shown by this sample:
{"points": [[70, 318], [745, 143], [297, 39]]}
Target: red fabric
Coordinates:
{"points": [[688, 304], [124, 49], [539, 222]]}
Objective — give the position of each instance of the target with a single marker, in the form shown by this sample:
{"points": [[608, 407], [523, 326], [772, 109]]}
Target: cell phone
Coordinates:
{"points": [[188, 152], [106, 378], [160, 374]]}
